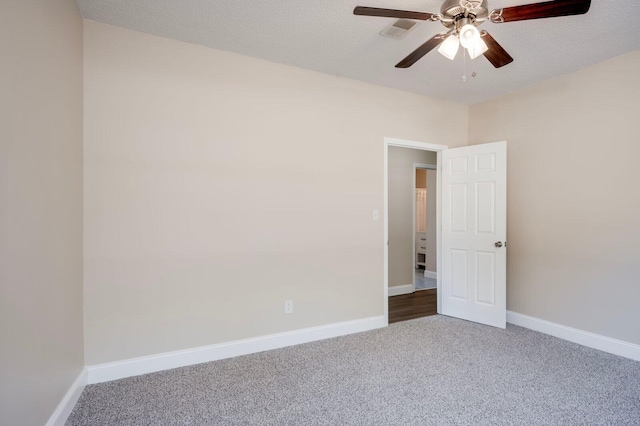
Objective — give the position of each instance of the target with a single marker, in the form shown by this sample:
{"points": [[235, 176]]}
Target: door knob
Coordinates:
{"points": [[498, 244]]}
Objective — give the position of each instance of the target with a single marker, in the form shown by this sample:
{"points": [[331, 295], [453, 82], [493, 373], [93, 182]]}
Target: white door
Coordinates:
{"points": [[474, 231]]}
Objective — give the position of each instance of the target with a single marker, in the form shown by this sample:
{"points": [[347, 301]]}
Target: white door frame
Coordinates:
{"points": [[417, 166], [403, 143]]}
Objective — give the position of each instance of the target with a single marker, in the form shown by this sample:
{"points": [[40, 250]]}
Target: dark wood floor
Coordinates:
{"points": [[422, 303]]}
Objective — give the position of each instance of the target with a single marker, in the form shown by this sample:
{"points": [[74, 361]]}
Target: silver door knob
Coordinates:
{"points": [[498, 244]]}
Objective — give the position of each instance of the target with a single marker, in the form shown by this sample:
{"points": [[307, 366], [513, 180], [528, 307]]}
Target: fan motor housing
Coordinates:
{"points": [[452, 10]]}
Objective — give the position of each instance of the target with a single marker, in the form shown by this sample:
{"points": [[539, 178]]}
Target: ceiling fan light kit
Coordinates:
{"points": [[449, 47], [462, 17], [478, 48], [469, 35]]}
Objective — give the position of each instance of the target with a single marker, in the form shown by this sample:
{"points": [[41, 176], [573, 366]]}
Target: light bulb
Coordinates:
{"points": [[468, 35], [449, 48], [477, 49]]}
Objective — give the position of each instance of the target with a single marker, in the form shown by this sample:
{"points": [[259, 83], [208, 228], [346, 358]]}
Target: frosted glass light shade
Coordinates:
{"points": [[478, 48], [449, 47], [469, 35]]}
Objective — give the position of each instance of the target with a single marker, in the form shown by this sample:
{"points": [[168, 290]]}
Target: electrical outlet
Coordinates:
{"points": [[288, 307]]}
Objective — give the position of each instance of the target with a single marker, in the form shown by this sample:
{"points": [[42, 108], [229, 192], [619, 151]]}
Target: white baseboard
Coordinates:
{"points": [[397, 290], [164, 361], [64, 408], [584, 338], [430, 274]]}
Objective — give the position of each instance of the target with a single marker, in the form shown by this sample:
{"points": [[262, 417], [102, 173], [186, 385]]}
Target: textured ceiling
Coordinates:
{"points": [[325, 36]]}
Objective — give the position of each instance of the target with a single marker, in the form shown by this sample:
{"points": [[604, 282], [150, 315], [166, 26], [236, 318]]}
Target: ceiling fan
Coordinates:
{"points": [[462, 17]]}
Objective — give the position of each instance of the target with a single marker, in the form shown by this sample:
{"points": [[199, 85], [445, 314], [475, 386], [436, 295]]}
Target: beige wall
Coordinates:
{"points": [[401, 197], [41, 349], [431, 257], [218, 186], [573, 200]]}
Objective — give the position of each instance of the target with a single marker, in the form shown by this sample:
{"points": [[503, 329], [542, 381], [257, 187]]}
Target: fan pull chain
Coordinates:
{"points": [[464, 70], [473, 69], [464, 65]]}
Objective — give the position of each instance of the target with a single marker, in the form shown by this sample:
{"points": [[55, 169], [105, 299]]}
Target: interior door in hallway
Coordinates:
{"points": [[474, 229]]}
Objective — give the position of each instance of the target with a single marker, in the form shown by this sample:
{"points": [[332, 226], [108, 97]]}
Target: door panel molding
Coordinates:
{"points": [[474, 219]]}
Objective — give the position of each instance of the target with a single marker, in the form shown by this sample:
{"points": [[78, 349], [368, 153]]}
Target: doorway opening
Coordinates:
{"points": [[425, 270], [400, 242], [471, 227]]}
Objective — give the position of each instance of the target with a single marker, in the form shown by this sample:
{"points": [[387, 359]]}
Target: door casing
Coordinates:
{"points": [[403, 143]]}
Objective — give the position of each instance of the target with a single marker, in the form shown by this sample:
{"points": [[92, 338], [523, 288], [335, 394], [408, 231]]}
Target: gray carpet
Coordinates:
{"points": [[430, 371]]}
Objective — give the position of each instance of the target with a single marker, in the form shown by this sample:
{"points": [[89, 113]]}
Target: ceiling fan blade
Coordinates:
{"points": [[548, 9], [427, 47], [496, 54], [391, 13]]}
